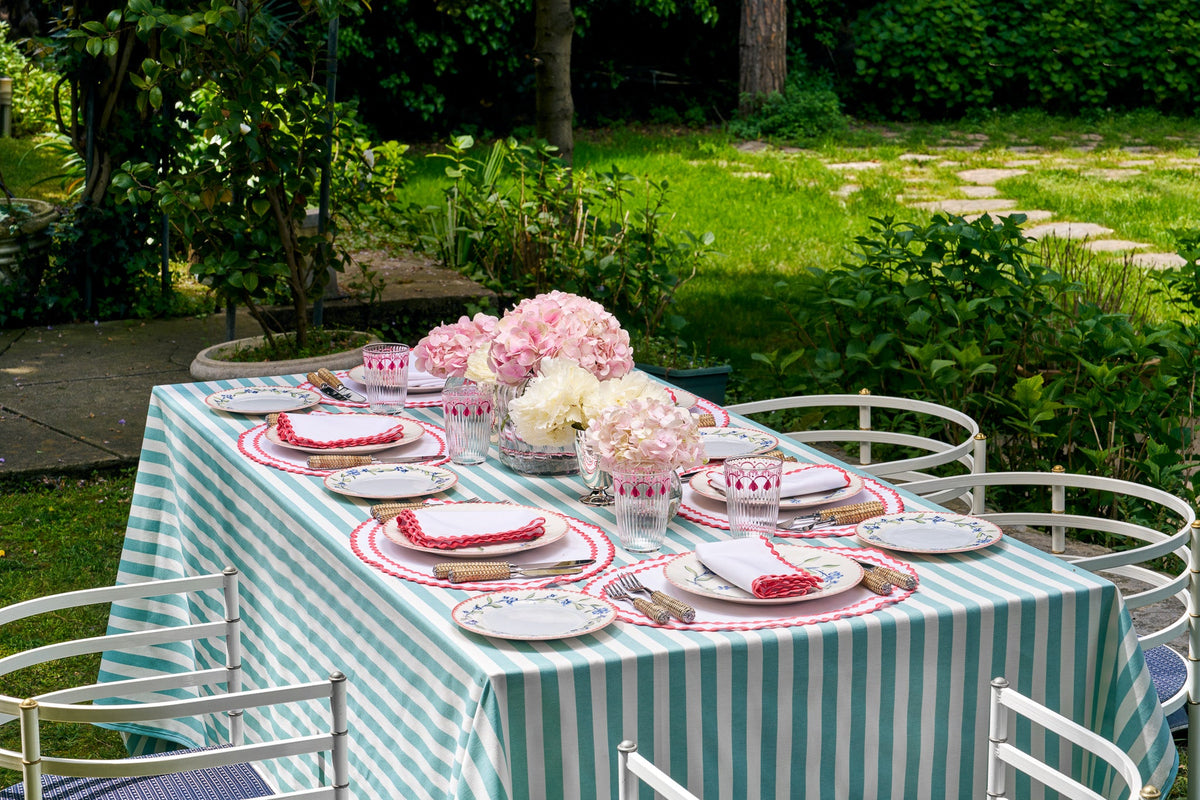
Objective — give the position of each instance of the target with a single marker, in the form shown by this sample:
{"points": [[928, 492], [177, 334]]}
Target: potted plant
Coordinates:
{"points": [[24, 245], [681, 364]]}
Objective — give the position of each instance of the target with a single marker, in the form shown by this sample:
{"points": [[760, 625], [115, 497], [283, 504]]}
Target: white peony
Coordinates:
{"points": [[479, 369], [550, 410], [622, 391]]}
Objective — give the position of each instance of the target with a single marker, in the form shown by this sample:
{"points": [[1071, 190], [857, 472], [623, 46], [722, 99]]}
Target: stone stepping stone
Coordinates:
{"points": [[967, 206], [918, 157], [978, 191], [1113, 245], [1158, 260], [1036, 215], [1113, 174], [1023, 162], [751, 146], [750, 174], [1024, 148], [988, 176], [854, 166], [1069, 230], [1137, 162], [847, 190]]}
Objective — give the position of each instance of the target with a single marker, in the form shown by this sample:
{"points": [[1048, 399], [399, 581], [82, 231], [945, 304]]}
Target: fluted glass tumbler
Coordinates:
{"points": [[385, 373], [468, 410], [642, 502], [752, 494]]}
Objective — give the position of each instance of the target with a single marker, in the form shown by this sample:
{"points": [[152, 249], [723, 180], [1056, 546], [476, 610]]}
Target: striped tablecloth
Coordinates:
{"points": [[889, 704]]}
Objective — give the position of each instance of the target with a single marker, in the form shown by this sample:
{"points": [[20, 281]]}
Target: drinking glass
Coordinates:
{"points": [[752, 494], [468, 410], [642, 500], [385, 373]]}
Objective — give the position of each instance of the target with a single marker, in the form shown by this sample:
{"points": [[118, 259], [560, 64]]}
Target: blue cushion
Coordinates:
{"points": [[233, 782], [1168, 670]]}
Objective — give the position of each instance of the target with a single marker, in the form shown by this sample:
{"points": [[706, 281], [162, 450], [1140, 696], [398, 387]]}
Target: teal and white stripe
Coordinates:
{"points": [[892, 704]]}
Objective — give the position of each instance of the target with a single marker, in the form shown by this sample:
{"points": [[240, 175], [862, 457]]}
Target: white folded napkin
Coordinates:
{"points": [[423, 380], [752, 563], [338, 430], [811, 480], [448, 528]]}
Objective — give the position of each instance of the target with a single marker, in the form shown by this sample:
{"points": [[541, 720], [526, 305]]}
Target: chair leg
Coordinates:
{"points": [[627, 788]]}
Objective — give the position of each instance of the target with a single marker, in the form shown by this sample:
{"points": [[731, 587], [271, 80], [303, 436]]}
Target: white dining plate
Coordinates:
{"points": [[427, 384], [721, 443], [708, 483], [837, 572], [534, 614], [410, 433], [262, 399], [556, 527], [928, 532], [384, 481]]}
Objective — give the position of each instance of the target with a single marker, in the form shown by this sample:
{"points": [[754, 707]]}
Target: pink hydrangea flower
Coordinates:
{"points": [[443, 353], [648, 433]]}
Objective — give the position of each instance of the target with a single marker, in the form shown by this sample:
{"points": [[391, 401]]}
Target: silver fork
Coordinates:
{"points": [[654, 612], [677, 608]]}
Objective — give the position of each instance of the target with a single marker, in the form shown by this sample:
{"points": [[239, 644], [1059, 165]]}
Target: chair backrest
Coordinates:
{"points": [[1002, 752], [64, 705], [967, 446], [632, 768]]}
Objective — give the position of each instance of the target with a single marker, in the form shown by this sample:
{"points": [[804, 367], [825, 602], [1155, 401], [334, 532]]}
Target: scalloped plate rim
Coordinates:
{"points": [[599, 623], [310, 398], [432, 472]]}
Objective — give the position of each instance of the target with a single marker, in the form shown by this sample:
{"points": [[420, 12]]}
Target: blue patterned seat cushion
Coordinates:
{"points": [[1168, 670], [234, 782]]}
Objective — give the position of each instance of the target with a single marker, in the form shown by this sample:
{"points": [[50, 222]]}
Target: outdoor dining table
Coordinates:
{"points": [[859, 696]]}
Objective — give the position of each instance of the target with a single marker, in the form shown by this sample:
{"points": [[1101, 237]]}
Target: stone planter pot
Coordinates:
{"points": [[25, 247], [209, 366]]}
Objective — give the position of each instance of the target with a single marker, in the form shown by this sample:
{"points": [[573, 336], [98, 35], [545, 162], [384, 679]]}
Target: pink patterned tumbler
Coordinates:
{"points": [[752, 494], [385, 372], [468, 414]]}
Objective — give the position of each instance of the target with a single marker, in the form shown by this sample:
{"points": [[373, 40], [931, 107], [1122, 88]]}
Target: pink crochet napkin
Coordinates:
{"points": [[431, 527], [338, 430], [753, 564]]}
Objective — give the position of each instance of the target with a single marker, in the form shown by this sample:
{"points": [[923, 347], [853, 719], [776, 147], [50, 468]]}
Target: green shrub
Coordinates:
{"points": [[806, 108], [33, 88]]}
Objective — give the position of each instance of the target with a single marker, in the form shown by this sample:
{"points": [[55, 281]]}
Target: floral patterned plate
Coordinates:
{"points": [[385, 481], [533, 614], [721, 443], [262, 399], [838, 573], [928, 532]]}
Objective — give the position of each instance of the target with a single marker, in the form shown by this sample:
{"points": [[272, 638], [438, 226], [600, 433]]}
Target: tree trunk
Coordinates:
{"points": [[762, 52], [555, 22]]}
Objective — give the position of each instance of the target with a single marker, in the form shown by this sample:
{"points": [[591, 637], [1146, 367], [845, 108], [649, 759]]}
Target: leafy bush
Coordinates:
{"points": [[806, 108], [33, 88], [961, 313], [520, 222]]}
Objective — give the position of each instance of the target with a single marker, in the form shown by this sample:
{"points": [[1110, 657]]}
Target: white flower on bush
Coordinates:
{"points": [[550, 409]]}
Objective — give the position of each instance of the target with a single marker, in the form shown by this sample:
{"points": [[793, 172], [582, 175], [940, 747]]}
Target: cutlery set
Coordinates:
{"points": [[331, 386]]}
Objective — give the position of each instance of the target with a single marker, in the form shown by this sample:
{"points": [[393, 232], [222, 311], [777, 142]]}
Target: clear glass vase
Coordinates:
{"points": [[521, 456], [594, 478]]}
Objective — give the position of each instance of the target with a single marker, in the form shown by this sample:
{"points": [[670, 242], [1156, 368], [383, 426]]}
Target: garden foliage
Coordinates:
{"points": [[962, 313], [520, 222], [33, 87]]}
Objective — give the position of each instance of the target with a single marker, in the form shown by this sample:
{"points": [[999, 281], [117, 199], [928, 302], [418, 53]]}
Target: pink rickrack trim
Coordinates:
{"points": [[251, 445], [410, 528], [892, 504], [430, 400], [365, 543], [793, 582], [284, 428], [720, 415], [868, 604]]}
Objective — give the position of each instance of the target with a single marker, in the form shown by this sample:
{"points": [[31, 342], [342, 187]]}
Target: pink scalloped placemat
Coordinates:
{"points": [[424, 400], [255, 445], [712, 513], [720, 415], [720, 615], [582, 540]]}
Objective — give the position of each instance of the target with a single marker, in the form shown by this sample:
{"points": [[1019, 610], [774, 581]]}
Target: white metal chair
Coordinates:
{"points": [[1001, 752], [214, 773], [964, 443], [1176, 677], [632, 767]]}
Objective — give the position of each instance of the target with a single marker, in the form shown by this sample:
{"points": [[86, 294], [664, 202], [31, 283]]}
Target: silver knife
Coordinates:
{"points": [[500, 570], [336, 383]]}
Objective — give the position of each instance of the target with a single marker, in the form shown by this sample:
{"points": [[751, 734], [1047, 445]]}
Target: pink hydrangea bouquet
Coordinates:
{"points": [[559, 325], [445, 351], [646, 432]]}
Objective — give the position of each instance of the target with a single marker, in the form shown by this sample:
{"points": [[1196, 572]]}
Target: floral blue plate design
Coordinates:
{"points": [[721, 443], [384, 481], [262, 399], [928, 532], [838, 573], [533, 614]]}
